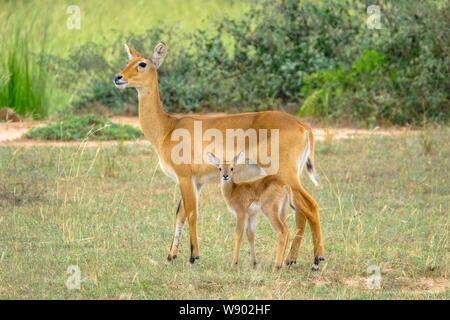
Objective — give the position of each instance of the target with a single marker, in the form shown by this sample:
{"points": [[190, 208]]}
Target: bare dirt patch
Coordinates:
{"points": [[10, 131], [430, 285], [13, 134]]}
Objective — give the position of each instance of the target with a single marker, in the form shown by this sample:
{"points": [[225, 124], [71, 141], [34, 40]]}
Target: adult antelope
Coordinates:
{"points": [[159, 127]]}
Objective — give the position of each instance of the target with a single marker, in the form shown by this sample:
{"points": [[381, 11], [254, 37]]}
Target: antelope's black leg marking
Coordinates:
{"points": [[192, 259], [317, 261], [179, 207]]}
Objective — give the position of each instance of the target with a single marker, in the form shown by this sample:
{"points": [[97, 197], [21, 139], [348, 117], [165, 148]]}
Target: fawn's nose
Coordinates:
{"points": [[118, 78], [225, 176]]}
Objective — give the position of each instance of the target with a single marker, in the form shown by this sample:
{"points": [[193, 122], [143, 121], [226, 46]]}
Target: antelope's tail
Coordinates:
{"points": [[307, 158]]}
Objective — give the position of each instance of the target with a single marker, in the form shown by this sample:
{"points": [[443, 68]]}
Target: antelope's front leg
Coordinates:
{"points": [[240, 225], [179, 222], [189, 195]]}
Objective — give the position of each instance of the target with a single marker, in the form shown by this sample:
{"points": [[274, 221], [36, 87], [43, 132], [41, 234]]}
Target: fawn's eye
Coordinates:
{"points": [[142, 64]]}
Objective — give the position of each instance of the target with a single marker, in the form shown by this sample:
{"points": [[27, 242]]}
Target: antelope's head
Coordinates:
{"points": [[226, 170], [137, 73]]}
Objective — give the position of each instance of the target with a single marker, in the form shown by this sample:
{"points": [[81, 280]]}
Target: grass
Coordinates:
{"points": [[24, 81], [89, 126], [102, 21], [111, 212], [34, 30]]}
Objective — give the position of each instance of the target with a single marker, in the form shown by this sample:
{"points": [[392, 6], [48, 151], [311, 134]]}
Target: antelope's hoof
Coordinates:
{"points": [[254, 265], [290, 262], [171, 258], [192, 259], [318, 260]]}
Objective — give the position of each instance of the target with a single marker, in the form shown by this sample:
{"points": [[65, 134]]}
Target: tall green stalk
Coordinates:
{"points": [[23, 85]]}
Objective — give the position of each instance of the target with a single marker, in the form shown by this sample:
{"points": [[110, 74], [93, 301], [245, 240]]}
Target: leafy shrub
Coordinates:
{"points": [[354, 91], [85, 127], [320, 54]]}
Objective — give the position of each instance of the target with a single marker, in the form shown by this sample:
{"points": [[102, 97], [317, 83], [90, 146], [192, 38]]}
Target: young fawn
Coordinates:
{"points": [[245, 199]]}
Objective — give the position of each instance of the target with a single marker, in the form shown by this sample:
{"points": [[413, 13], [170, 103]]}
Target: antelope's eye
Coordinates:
{"points": [[231, 169], [142, 64], [220, 169]]}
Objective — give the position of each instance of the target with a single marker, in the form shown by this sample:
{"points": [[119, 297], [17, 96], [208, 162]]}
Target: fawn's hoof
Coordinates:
{"points": [[192, 259], [171, 257]]}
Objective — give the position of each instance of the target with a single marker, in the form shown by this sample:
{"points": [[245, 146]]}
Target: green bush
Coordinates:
{"points": [[85, 127], [319, 54], [355, 92]]}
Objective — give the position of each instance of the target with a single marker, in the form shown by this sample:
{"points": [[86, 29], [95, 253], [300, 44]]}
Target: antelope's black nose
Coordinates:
{"points": [[117, 78], [225, 177]]}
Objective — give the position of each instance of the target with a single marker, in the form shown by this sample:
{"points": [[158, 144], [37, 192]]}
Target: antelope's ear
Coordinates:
{"points": [[159, 54], [212, 159], [132, 53], [239, 159]]}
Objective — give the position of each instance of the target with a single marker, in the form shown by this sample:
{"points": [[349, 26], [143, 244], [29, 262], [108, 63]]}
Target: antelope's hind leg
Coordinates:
{"points": [[189, 193], [279, 226], [306, 208]]}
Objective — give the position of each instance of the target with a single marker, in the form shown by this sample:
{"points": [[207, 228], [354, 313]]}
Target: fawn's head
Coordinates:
{"points": [[226, 170], [138, 72]]}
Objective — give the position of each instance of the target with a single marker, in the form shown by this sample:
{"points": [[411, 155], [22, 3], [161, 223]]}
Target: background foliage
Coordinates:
{"points": [[317, 56], [84, 127]]}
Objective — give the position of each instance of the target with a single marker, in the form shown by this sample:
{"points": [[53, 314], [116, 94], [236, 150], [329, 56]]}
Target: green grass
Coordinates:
{"points": [[24, 79], [89, 126], [102, 21], [32, 30], [111, 211]]}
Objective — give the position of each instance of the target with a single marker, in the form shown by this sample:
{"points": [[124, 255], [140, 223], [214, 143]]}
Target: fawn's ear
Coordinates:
{"points": [[212, 159], [239, 159], [132, 53], [159, 54]]}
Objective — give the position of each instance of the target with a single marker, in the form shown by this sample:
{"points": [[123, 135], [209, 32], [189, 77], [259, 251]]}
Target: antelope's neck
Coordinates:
{"points": [[155, 123]]}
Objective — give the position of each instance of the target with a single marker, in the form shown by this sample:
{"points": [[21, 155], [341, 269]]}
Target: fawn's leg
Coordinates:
{"points": [[240, 225], [273, 215], [300, 224], [251, 229]]}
